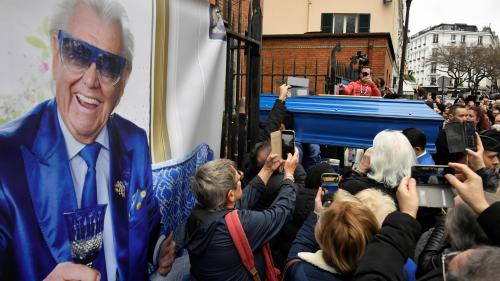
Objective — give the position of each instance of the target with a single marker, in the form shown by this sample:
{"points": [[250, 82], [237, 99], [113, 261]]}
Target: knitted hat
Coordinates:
{"points": [[491, 140]]}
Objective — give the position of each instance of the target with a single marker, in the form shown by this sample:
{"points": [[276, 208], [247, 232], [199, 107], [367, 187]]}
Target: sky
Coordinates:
{"points": [[425, 13]]}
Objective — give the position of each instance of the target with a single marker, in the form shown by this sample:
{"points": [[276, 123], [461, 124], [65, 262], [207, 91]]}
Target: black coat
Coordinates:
{"points": [[357, 184], [389, 250]]}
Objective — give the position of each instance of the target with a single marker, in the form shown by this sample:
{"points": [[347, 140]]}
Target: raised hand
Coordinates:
{"points": [[407, 196], [470, 189]]}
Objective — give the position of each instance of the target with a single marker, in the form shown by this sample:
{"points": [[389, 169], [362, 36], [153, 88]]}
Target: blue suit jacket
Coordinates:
{"points": [[36, 188], [425, 159]]}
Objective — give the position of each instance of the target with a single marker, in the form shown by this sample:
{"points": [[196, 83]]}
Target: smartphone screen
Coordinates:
{"points": [[330, 185], [433, 189], [288, 142], [470, 135], [430, 174]]}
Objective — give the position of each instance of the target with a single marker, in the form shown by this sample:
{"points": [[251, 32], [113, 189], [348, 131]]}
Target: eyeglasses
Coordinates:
{"points": [[77, 56], [446, 259], [241, 175]]}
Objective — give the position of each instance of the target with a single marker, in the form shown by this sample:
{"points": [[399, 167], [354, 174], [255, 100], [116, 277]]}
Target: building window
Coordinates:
{"points": [[364, 23], [433, 81], [453, 38], [463, 39], [326, 22], [434, 52], [345, 23], [480, 40], [433, 67], [435, 38]]}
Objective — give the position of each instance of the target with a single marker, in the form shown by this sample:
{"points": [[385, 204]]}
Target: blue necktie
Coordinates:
{"points": [[89, 154], [89, 196]]}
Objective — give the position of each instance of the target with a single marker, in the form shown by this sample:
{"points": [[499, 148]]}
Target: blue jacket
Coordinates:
{"points": [[425, 159], [36, 188], [304, 270], [212, 253]]}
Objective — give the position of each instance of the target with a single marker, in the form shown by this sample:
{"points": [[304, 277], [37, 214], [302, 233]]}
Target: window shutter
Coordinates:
{"points": [[364, 23], [326, 22]]}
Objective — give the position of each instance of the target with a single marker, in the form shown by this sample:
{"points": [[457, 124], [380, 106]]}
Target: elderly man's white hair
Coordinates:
{"points": [[108, 10], [392, 158]]}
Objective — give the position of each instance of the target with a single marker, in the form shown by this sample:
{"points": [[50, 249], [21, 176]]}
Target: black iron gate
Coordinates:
{"points": [[243, 22]]}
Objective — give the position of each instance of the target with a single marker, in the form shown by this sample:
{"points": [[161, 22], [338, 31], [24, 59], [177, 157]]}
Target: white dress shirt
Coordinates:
{"points": [[78, 172]]}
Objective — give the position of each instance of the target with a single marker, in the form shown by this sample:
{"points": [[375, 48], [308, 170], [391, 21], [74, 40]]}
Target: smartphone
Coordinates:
{"points": [[288, 142], [470, 135], [432, 187], [330, 185], [460, 135]]}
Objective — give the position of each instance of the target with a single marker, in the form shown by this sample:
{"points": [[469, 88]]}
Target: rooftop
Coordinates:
{"points": [[448, 26]]}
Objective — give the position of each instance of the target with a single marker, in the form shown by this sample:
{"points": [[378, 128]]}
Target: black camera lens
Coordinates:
{"points": [[365, 74]]}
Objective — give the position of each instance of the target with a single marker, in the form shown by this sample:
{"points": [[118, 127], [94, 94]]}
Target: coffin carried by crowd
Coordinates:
{"points": [[354, 121]]}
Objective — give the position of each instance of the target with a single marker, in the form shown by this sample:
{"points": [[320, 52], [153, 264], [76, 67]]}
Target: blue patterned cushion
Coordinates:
{"points": [[172, 186]]}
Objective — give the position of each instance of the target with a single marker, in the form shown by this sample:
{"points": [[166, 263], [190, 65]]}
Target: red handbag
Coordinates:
{"points": [[245, 252]]}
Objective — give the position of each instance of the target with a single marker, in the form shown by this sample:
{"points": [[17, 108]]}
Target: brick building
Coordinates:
{"points": [[309, 55]]}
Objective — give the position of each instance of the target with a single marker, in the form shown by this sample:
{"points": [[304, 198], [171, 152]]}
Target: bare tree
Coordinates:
{"points": [[493, 66], [471, 64], [476, 60], [449, 60]]}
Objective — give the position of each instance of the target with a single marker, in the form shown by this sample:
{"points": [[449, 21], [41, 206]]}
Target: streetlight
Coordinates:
{"points": [[403, 52]]}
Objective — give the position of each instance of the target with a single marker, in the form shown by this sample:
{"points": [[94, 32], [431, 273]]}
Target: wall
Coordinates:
{"points": [[298, 16], [302, 16], [307, 49]]}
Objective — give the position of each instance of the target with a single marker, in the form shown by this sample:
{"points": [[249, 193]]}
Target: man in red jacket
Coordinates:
{"points": [[362, 87]]}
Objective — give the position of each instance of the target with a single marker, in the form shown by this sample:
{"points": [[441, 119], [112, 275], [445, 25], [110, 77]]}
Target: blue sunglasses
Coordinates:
{"points": [[77, 56]]}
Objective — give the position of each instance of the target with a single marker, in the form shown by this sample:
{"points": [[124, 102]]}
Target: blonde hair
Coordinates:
{"points": [[343, 232], [378, 202]]}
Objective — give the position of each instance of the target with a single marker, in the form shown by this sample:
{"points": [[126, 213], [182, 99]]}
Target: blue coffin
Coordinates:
{"points": [[354, 121]]}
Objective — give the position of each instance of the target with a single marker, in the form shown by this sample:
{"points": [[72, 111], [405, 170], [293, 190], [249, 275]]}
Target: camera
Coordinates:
{"points": [[365, 74], [360, 58]]}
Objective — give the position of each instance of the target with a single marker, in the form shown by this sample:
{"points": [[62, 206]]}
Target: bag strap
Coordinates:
{"points": [[272, 272], [241, 242], [288, 265]]}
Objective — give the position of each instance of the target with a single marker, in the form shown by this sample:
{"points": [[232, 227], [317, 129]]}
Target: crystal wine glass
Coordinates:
{"points": [[85, 227]]}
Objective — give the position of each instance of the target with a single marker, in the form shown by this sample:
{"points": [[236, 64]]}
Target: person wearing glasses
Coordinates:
{"points": [[400, 231], [364, 87], [217, 186], [72, 152]]}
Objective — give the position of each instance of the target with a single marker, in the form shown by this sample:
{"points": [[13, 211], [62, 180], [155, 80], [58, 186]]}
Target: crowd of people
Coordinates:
{"points": [[374, 229], [267, 221]]}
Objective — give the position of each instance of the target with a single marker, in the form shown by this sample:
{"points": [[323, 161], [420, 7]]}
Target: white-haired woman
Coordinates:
{"points": [[391, 160]]}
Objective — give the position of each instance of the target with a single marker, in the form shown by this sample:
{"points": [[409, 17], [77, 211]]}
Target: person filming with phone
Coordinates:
{"points": [[362, 87]]}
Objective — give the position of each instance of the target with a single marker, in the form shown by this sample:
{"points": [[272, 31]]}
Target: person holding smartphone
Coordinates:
{"points": [[362, 87]]}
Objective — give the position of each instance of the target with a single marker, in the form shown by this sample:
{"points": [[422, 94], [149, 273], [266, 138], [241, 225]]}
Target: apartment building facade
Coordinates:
{"points": [[422, 45]]}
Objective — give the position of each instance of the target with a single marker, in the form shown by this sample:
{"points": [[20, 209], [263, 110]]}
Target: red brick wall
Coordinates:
{"points": [[306, 50]]}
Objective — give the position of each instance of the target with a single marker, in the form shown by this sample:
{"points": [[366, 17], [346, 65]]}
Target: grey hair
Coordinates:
{"points": [[212, 182], [483, 264], [463, 229], [108, 10], [392, 158]]}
